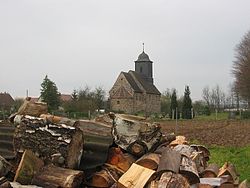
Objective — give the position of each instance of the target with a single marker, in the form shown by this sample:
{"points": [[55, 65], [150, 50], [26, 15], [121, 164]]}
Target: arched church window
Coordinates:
{"points": [[140, 69]]}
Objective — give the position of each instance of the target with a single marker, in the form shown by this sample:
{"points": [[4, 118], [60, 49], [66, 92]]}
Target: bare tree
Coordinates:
{"points": [[241, 67], [206, 95]]}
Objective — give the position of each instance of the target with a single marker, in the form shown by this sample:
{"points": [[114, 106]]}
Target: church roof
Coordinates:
{"points": [[132, 82], [148, 87], [143, 57]]}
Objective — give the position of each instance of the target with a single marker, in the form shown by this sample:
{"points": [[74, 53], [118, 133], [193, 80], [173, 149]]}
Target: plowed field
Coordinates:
{"points": [[221, 132]]}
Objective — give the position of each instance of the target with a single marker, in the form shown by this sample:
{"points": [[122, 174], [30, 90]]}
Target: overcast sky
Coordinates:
{"points": [[89, 42]]}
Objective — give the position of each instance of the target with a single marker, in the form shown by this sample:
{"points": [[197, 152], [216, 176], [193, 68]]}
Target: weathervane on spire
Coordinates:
{"points": [[143, 46]]}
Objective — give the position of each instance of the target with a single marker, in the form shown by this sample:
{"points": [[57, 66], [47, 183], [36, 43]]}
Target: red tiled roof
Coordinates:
{"points": [[65, 97]]}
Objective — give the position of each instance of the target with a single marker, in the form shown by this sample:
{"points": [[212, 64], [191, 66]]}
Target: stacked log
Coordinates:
{"points": [[36, 134]]}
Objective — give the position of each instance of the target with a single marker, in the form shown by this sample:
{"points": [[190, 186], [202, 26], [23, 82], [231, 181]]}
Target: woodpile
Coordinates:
{"points": [[52, 151]]}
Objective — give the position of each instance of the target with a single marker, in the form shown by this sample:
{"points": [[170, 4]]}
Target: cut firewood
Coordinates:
{"points": [[119, 159], [136, 176], [53, 176], [4, 183], [211, 171], [32, 108], [5, 166], [200, 185], [170, 161], [28, 167], [107, 176], [150, 160], [134, 135], [34, 134], [229, 169], [244, 184], [189, 170], [179, 140], [57, 119], [172, 180]]}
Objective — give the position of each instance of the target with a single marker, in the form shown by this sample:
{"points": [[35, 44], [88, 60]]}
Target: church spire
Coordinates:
{"points": [[143, 46]]}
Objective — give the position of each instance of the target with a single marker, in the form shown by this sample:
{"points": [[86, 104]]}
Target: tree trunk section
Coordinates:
{"points": [[150, 160], [56, 143], [32, 108], [28, 167], [119, 159], [172, 180], [53, 176], [170, 161], [5, 166], [136, 176], [107, 176], [189, 170]]}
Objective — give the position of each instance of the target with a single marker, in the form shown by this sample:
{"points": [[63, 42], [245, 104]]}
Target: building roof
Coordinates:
{"points": [[143, 57], [122, 93], [65, 97], [132, 82], [6, 99], [148, 87]]}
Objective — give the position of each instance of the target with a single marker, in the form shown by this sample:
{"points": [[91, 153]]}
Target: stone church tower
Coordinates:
{"points": [[143, 66], [134, 91]]}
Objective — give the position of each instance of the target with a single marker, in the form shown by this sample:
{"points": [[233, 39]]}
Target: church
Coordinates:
{"points": [[134, 91]]}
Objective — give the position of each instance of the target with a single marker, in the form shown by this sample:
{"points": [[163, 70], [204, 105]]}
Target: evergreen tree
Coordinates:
{"points": [[50, 94], [74, 95], [187, 105], [174, 105], [165, 102]]}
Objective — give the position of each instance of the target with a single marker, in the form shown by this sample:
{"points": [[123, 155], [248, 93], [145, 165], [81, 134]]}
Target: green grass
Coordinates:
{"points": [[220, 116], [240, 157]]}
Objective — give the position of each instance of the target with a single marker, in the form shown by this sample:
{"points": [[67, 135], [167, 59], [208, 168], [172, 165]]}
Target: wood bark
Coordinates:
{"points": [[189, 170], [150, 160], [4, 183], [58, 120], [28, 167], [170, 161], [135, 136], [211, 171], [5, 166], [107, 176], [119, 159], [244, 184], [172, 180], [229, 169], [32, 108], [53, 176], [49, 140]]}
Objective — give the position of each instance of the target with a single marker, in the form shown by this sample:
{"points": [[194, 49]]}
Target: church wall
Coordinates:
{"points": [[121, 81], [122, 105]]}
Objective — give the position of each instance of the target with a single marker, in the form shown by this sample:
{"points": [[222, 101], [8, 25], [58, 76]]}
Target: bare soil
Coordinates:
{"points": [[220, 132]]}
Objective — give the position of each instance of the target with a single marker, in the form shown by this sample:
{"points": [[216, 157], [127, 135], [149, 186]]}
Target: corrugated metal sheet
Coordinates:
{"points": [[97, 140]]}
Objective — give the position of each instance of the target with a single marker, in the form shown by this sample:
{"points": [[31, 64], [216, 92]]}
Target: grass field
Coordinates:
{"points": [[240, 157]]}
